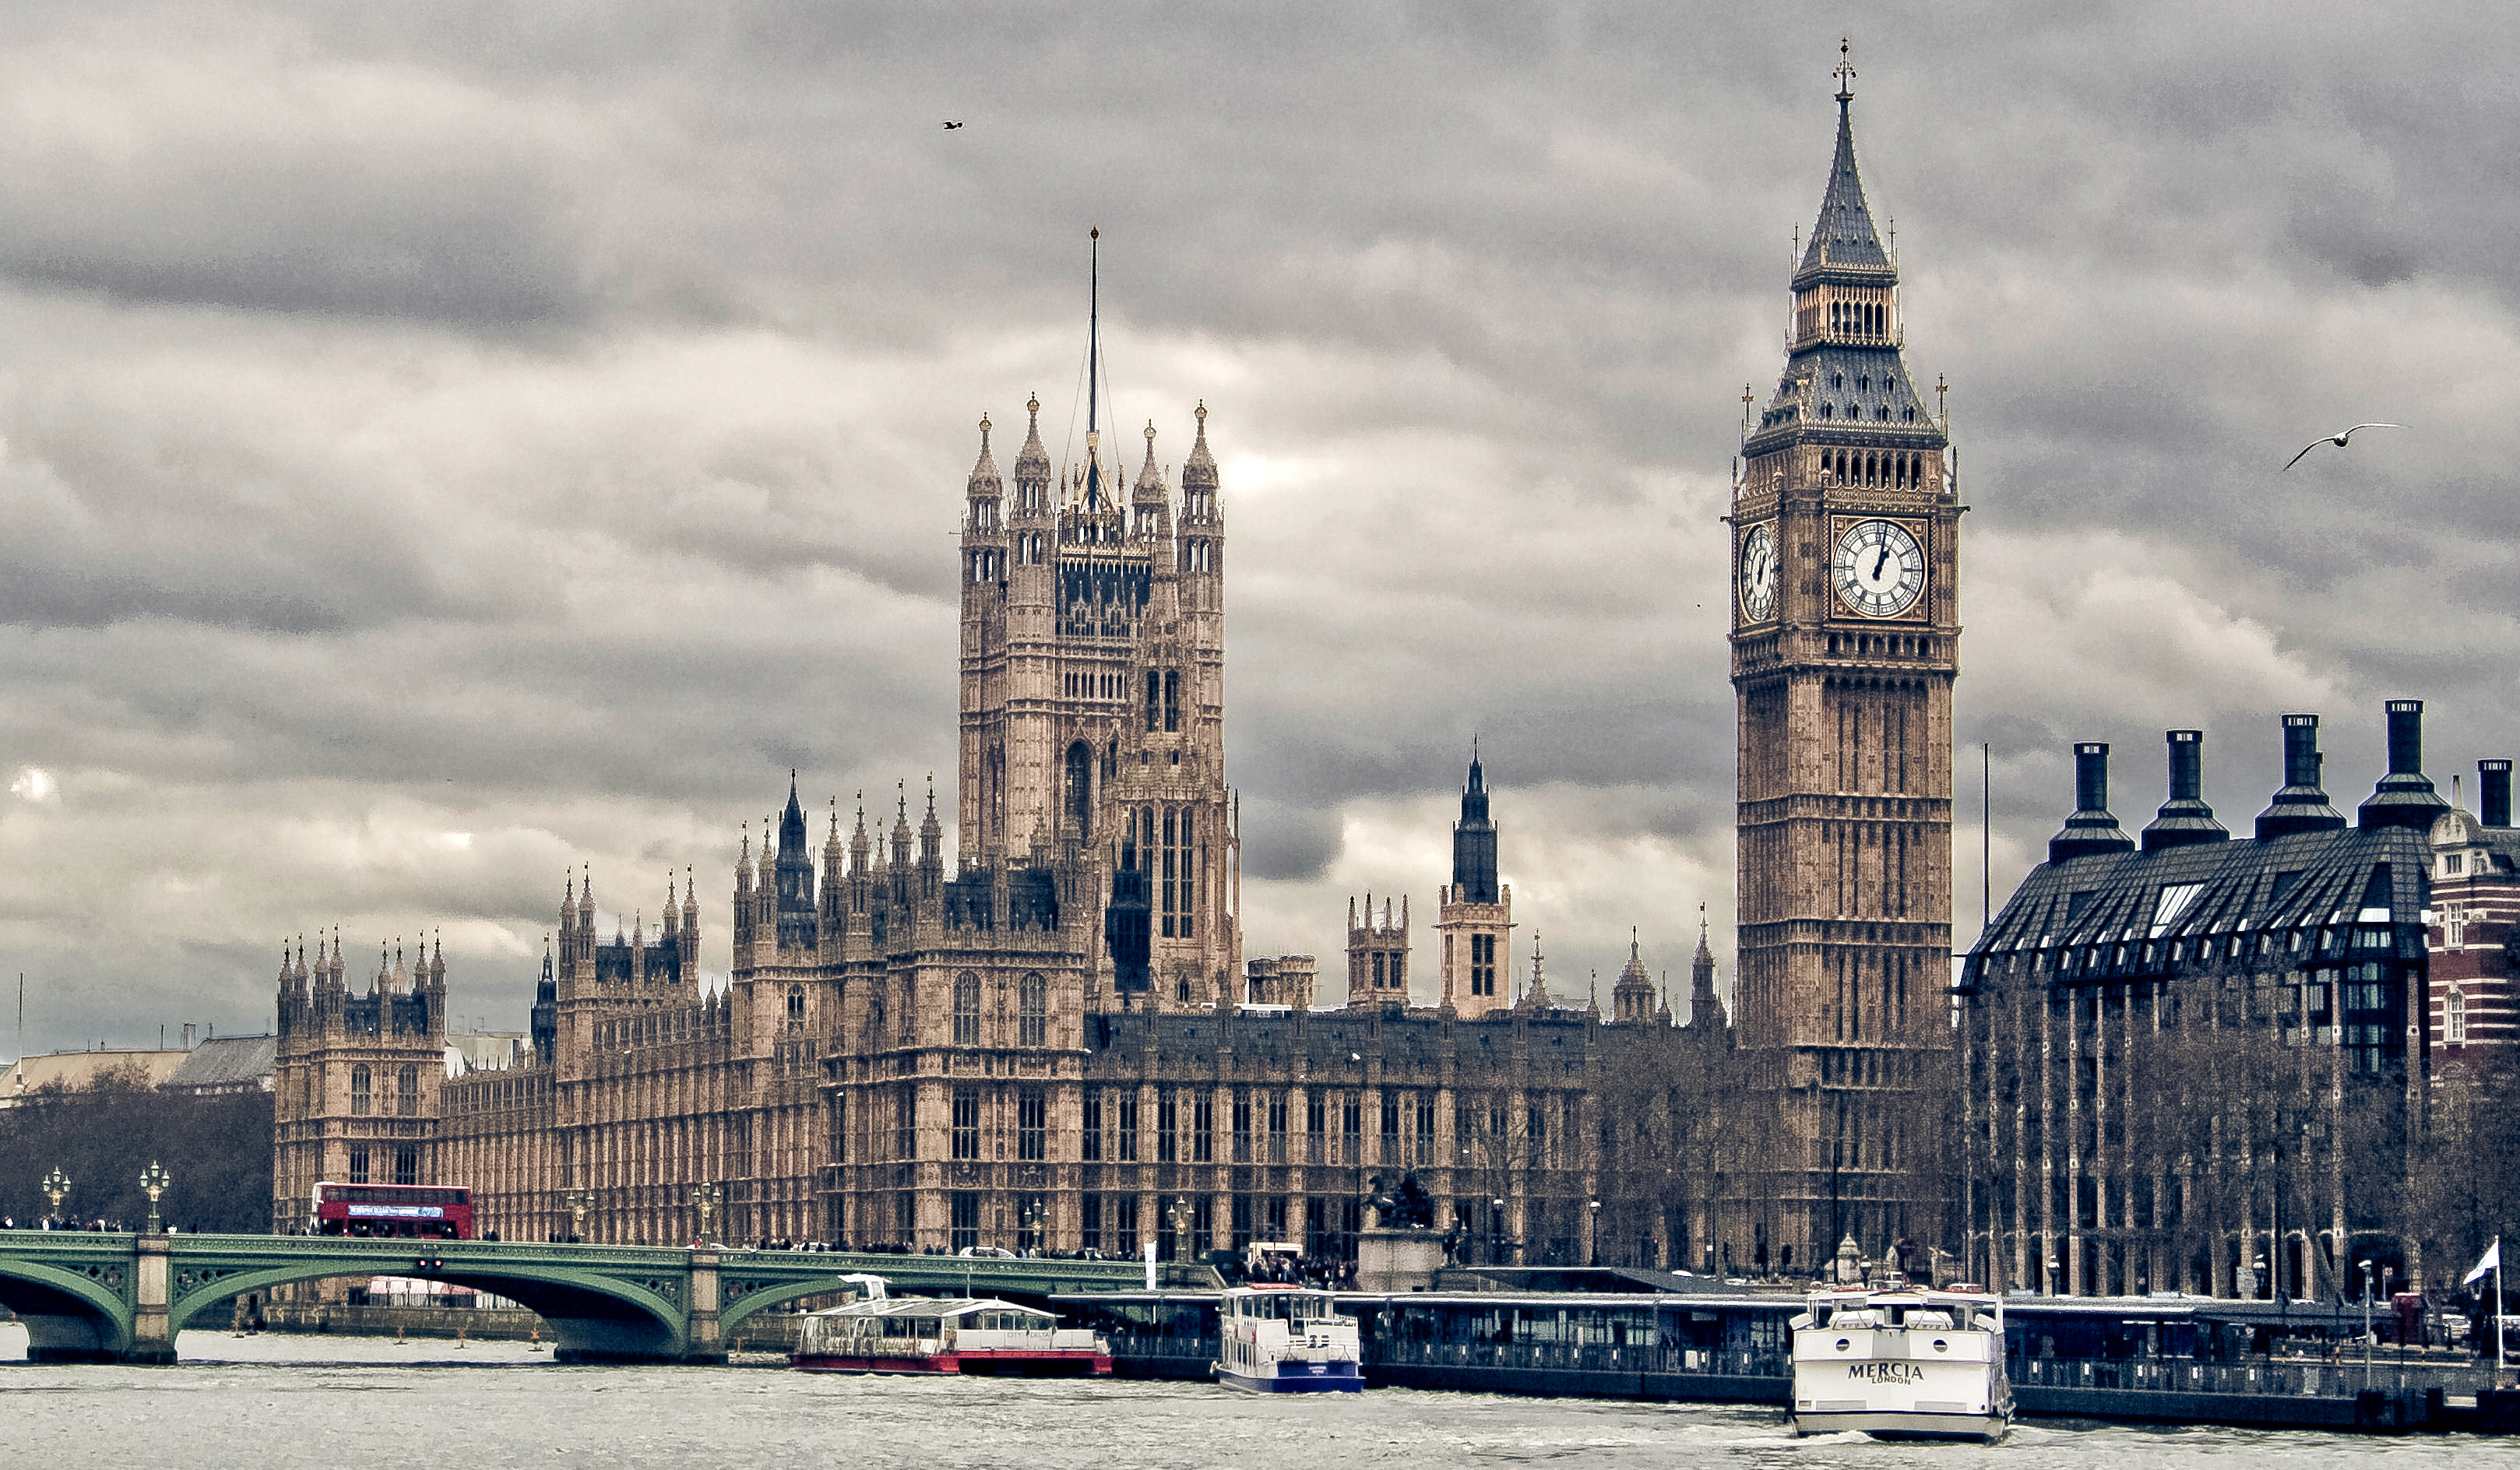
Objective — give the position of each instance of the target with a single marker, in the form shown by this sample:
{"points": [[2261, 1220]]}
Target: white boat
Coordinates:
{"points": [[943, 1335], [1906, 1362], [1276, 1339]]}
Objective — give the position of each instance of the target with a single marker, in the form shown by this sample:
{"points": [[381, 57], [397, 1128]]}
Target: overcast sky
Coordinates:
{"points": [[447, 444]]}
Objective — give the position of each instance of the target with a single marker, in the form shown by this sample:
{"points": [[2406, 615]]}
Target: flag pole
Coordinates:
{"points": [[2497, 1311]]}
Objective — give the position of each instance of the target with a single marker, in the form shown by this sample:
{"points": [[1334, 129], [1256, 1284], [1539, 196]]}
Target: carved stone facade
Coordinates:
{"points": [[354, 1077], [1047, 1041], [1845, 645]]}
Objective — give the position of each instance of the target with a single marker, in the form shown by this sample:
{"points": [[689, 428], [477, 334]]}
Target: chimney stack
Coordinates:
{"points": [[2404, 797], [2184, 818], [2090, 832], [2493, 792], [2302, 805]]}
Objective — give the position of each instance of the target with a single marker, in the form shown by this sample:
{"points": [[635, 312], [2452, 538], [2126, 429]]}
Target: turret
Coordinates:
{"points": [[796, 878], [1631, 994], [1150, 505], [545, 1022], [984, 534], [2090, 832], [931, 851], [744, 901], [1200, 551], [1474, 841], [1705, 1007]]}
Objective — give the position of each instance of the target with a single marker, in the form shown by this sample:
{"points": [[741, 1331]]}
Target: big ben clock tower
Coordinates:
{"points": [[1845, 643]]}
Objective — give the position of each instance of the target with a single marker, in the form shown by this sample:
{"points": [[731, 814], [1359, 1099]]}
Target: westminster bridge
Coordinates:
{"points": [[92, 1297]]}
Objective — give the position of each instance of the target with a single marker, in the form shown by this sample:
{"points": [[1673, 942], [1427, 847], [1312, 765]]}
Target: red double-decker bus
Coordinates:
{"points": [[425, 1212]]}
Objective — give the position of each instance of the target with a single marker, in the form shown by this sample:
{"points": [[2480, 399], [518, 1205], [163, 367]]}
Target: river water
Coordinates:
{"points": [[356, 1403]]}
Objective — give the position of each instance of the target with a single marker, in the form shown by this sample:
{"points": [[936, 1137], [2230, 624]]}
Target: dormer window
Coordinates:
{"points": [[1823, 411], [1863, 384], [1837, 379], [2453, 863]]}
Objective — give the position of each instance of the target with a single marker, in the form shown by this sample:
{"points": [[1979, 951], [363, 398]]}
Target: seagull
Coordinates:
{"points": [[951, 127], [2337, 439]]}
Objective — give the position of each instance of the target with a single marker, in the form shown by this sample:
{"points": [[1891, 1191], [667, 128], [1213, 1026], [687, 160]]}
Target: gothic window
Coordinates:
{"points": [[359, 1092], [1090, 1130], [1202, 1127], [967, 1122], [1033, 1012], [1127, 1111], [1172, 699], [795, 1009], [966, 1009], [1032, 1126], [358, 1166], [1080, 788], [1823, 409], [1167, 1120], [406, 1165], [1378, 969], [407, 1092], [904, 1124], [1154, 698]]}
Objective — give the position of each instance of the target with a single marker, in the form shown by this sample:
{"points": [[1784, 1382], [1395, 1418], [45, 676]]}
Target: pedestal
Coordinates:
{"points": [[1397, 1261]]}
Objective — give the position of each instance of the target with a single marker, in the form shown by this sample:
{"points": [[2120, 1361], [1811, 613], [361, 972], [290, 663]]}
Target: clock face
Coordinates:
{"points": [[1759, 574], [1878, 568]]}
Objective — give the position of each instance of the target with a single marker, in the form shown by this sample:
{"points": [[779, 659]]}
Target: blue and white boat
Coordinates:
{"points": [[1285, 1340]]}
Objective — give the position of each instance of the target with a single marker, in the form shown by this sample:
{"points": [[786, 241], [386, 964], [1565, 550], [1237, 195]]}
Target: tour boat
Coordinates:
{"points": [[945, 1335], [1902, 1364], [1276, 1339]]}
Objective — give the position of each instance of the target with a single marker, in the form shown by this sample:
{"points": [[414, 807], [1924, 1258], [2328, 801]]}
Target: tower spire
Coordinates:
{"points": [[1093, 328]]}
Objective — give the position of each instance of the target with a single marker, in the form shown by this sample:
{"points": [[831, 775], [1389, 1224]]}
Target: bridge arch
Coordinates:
{"points": [[595, 1316], [70, 1316]]}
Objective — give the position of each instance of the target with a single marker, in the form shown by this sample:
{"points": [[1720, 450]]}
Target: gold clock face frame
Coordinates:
{"points": [[1757, 582], [1877, 568]]}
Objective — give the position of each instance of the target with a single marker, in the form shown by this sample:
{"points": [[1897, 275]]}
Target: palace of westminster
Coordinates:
{"points": [[1053, 1039]]}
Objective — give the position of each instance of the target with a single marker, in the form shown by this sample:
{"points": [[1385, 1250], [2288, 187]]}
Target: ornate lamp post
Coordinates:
{"points": [[1596, 1232], [706, 1198], [153, 1181], [1178, 1214], [1028, 1219], [56, 1186], [578, 1202]]}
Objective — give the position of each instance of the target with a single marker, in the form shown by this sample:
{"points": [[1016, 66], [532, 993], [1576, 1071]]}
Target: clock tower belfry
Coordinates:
{"points": [[1845, 643]]}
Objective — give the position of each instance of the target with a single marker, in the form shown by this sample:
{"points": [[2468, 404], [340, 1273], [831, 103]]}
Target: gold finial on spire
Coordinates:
{"points": [[1200, 413], [1845, 72]]}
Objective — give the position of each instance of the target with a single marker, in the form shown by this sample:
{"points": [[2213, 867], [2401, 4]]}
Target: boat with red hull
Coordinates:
{"points": [[946, 1335]]}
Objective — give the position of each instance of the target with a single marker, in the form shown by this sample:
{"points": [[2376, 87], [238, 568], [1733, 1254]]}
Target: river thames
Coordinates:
{"points": [[290, 1401]]}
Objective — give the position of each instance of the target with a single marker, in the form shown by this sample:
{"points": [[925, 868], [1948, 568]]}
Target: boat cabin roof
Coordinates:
{"points": [[936, 1308]]}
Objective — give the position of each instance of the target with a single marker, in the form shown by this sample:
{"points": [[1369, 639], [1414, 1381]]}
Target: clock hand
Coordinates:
{"points": [[1880, 561]]}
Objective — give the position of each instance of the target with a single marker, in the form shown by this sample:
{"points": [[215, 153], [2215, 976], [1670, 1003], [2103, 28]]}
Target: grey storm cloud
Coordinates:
{"points": [[447, 446]]}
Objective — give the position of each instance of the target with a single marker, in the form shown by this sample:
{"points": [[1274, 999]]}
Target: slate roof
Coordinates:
{"points": [[227, 1064], [2320, 882], [1844, 234]]}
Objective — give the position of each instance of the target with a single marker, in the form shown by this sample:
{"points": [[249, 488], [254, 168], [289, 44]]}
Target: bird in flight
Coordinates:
{"points": [[2337, 439], [952, 125]]}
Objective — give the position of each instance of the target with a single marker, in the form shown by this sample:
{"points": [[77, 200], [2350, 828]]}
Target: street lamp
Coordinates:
{"points": [[706, 1198], [57, 1186], [1495, 1231], [578, 1202], [153, 1181], [1597, 1232], [2366, 1322], [1028, 1217], [1178, 1214]]}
